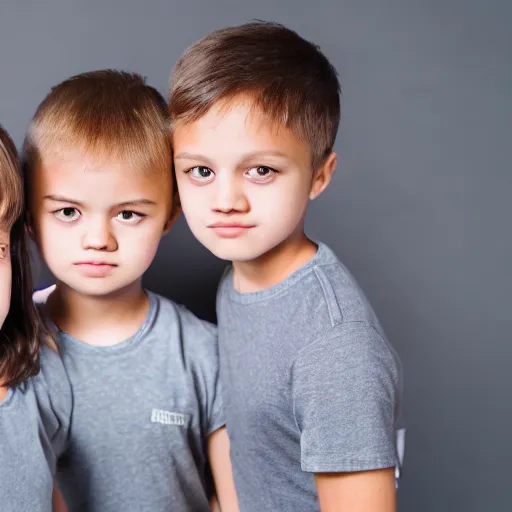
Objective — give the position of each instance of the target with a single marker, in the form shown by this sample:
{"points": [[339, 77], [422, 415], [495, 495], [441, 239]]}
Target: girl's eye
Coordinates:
{"points": [[129, 217], [260, 173], [4, 251], [67, 214], [200, 173]]}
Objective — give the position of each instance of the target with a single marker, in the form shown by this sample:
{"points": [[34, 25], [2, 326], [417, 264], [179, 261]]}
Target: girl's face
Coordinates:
{"points": [[5, 275]]}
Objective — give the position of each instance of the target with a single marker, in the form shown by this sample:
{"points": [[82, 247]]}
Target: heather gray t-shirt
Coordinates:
{"points": [[309, 382], [34, 424], [143, 410]]}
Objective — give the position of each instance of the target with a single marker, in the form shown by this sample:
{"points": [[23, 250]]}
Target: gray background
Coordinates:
{"points": [[419, 209]]}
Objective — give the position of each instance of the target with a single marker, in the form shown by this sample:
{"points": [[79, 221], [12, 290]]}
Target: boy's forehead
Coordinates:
{"points": [[236, 116], [238, 124]]}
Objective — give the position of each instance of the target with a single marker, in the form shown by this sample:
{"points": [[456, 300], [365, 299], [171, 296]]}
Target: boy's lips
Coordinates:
{"points": [[230, 229]]}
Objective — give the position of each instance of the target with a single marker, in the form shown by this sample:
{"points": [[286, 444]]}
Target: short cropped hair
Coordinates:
{"points": [[23, 329], [106, 113], [287, 78]]}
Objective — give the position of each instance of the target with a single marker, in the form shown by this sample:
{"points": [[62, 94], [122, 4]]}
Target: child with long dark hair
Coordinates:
{"points": [[35, 395]]}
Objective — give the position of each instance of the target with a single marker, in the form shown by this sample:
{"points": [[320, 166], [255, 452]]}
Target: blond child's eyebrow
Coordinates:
{"points": [[61, 199], [137, 202], [134, 202]]}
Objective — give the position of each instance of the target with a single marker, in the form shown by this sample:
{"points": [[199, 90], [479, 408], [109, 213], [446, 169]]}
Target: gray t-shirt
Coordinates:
{"points": [[142, 413], [34, 424], [309, 382]]}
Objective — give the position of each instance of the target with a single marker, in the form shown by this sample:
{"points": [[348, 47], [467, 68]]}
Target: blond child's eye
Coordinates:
{"points": [[4, 251], [260, 173], [129, 217], [67, 214]]}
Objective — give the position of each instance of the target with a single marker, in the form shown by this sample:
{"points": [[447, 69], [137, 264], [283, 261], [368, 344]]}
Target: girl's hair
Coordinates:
{"points": [[23, 328]]}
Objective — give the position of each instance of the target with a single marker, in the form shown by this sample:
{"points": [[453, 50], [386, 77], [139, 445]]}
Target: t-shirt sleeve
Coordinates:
{"points": [[208, 384], [346, 387], [54, 400]]}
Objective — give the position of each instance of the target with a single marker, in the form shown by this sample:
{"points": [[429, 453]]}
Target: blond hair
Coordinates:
{"points": [[107, 113]]}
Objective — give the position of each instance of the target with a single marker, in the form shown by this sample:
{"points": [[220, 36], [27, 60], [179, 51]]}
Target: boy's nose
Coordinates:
{"points": [[229, 197], [98, 236]]}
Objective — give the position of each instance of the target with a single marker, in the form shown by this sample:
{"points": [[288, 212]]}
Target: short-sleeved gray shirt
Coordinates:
{"points": [[143, 410], [309, 382], [34, 424]]}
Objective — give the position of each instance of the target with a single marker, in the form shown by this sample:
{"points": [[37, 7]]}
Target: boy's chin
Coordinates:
{"points": [[242, 254]]}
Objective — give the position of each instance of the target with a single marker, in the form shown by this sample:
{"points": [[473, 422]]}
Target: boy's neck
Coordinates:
{"points": [[99, 320], [3, 393], [274, 266]]}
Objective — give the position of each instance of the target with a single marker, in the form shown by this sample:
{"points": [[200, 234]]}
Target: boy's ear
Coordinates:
{"points": [[323, 175], [175, 213]]}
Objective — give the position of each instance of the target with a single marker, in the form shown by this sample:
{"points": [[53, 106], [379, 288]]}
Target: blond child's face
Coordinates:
{"points": [[5, 275], [97, 224], [244, 185]]}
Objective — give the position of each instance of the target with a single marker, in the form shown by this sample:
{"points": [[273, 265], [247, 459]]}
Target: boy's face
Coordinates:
{"points": [[97, 225], [244, 185], [5, 275]]}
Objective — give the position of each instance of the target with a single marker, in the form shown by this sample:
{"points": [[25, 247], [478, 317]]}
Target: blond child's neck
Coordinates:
{"points": [[99, 320]]}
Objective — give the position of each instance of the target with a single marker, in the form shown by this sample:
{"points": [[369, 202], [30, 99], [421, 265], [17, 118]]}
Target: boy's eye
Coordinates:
{"points": [[260, 173], [67, 214], [200, 173], [129, 217], [4, 251]]}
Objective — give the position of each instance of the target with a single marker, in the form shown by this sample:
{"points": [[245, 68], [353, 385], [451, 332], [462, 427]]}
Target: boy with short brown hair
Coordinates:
{"points": [[311, 386]]}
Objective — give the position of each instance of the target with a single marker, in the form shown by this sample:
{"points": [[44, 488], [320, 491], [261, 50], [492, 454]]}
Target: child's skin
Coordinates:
{"points": [[244, 187], [260, 181], [98, 243]]}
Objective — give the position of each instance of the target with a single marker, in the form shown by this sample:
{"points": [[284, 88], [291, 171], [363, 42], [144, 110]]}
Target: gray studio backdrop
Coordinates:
{"points": [[419, 209]]}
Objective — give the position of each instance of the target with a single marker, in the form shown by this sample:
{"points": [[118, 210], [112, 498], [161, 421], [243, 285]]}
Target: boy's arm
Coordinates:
{"points": [[58, 501], [346, 390], [365, 491], [218, 453]]}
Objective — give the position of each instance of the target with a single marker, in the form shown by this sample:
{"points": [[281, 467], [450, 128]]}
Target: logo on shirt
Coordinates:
{"points": [[168, 418]]}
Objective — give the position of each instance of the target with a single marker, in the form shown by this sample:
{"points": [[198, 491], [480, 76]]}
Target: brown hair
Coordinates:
{"points": [[23, 329], [288, 79], [109, 113]]}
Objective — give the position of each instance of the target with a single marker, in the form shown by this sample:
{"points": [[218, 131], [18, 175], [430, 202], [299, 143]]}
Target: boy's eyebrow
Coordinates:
{"points": [[247, 156], [135, 202], [184, 155]]}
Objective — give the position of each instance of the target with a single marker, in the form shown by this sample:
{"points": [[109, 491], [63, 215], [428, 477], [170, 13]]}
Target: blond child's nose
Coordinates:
{"points": [[98, 236]]}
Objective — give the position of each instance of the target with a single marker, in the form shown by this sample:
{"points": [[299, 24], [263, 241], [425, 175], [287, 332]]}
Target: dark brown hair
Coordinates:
{"points": [[22, 331], [287, 78], [112, 114]]}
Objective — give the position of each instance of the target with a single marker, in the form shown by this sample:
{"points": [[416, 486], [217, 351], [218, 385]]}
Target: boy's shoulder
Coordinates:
{"points": [[324, 284]]}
